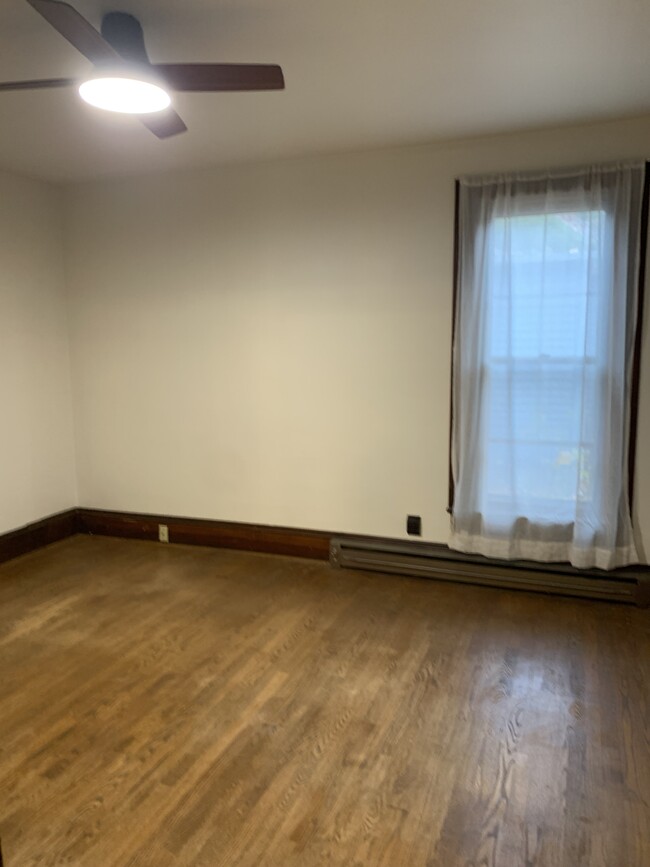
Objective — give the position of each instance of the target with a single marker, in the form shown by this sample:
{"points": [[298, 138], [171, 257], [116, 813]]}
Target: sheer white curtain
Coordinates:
{"points": [[544, 337]]}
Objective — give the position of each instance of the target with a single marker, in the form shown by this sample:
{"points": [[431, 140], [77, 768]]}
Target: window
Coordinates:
{"points": [[545, 335]]}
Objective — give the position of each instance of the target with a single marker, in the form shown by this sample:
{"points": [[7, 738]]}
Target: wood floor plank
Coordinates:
{"points": [[167, 705]]}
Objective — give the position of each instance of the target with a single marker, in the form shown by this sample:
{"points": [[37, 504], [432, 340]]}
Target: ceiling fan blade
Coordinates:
{"points": [[38, 84], [74, 27], [164, 124], [210, 77]]}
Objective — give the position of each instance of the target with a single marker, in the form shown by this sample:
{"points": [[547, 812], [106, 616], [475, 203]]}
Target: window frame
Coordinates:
{"points": [[638, 337]]}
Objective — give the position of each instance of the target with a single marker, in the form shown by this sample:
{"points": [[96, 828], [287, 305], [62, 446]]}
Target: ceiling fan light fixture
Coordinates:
{"points": [[125, 92]]}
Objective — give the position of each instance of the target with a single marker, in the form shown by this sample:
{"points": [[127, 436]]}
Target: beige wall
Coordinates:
{"points": [[271, 343], [37, 476]]}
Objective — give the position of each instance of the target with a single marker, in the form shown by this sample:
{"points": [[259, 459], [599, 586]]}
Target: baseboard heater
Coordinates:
{"points": [[440, 562]]}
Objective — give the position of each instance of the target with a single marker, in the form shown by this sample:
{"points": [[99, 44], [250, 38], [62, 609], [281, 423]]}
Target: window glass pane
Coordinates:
{"points": [[541, 375], [542, 273]]}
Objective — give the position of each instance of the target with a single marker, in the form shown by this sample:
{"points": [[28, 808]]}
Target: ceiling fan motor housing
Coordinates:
{"points": [[124, 33]]}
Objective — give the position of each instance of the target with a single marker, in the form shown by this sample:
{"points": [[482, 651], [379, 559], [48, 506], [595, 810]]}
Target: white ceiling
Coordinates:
{"points": [[359, 73]]}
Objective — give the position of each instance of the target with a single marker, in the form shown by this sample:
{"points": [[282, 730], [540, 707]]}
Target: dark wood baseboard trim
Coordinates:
{"points": [[313, 544], [37, 535], [218, 534]]}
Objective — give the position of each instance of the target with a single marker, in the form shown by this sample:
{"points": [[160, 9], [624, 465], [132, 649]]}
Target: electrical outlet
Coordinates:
{"points": [[414, 525], [163, 533]]}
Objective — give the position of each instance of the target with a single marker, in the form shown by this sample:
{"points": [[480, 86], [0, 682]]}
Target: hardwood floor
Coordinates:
{"points": [[168, 705]]}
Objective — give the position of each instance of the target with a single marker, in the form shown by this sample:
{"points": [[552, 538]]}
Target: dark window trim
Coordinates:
{"points": [[451, 492], [638, 337]]}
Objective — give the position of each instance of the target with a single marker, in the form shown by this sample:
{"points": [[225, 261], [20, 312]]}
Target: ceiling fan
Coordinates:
{"points": [[124, 79]]}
